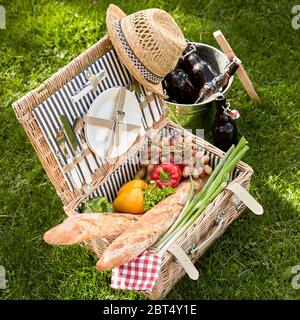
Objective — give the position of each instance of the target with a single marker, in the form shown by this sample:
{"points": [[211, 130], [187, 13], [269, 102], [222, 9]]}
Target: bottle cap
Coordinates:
{"points": [[234, 114], [236, 60], [197, 67]]}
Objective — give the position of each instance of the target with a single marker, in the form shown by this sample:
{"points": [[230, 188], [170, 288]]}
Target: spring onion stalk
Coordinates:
{"points": [[184, 210], [196, 204], [188, 221], [191, 221]]}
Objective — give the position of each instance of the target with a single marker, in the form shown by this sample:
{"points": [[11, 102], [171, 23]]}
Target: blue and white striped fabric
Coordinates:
{"points": [[48, 113], [48, 117], [109, 187]]}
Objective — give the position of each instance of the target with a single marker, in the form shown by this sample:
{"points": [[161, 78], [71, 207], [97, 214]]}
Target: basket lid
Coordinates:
{"points": [[40, 112]]}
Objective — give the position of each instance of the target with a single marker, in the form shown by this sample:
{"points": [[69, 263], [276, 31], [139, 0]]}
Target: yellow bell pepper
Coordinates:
{"points": [[130, 197]]}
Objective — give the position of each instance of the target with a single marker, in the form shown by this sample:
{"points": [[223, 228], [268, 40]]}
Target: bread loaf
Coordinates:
{"points": [[90, 226], [144, 233]]}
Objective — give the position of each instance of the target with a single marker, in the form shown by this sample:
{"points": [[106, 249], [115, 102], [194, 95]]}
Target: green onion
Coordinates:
{"points": [[183, 212], [196, 204]]}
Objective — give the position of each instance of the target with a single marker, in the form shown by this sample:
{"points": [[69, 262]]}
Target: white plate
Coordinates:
{"points": [[104, 107]]}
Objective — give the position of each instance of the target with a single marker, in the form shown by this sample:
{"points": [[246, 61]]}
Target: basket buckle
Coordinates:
{"points": [[193, 248], [242, 195], [221, 216], [238, 204]]}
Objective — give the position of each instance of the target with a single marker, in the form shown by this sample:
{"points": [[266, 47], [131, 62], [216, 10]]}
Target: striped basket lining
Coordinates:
{"points": [[126, 172], [47, 113]]}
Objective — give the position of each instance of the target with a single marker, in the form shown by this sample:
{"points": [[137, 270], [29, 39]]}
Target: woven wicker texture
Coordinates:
{"points": [[201, 234], [204, 231], [24, 112], [24, 106]]}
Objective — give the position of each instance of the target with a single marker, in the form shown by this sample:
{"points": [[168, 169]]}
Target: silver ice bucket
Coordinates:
{"points": [[201, 115]]}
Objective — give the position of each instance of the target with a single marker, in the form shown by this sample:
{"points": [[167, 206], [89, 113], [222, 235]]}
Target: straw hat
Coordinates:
{"points": [[148, 42]]}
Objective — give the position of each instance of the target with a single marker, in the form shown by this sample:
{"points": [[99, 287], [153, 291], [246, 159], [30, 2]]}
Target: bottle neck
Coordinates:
{"points": [[221, 106], [232, 67]]}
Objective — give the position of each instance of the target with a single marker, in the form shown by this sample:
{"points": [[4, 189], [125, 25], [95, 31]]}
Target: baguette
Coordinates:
{"points": [[144, 233], [90, 226]]}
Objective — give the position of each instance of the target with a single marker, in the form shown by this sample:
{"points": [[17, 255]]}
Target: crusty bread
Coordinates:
{"points": [[90, 226], [144, 233]]}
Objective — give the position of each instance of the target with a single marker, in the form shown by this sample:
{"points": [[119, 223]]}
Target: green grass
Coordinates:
{"points": [[253, 259]]}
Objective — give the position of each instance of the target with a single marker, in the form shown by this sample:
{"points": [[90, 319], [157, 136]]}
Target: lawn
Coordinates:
{"points": [[253, 260]]}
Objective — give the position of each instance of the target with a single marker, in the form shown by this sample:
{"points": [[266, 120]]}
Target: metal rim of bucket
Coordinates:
{"points": [[182, 105]]}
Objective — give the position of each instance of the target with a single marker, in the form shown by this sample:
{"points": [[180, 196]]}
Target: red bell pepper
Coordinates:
{"points": [[166, 174]]}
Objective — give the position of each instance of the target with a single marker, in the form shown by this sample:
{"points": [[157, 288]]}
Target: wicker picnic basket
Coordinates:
{"points": [[37, 106]]}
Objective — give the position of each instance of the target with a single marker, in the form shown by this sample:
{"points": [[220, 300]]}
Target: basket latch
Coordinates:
{"points": [[184, 260], [245, 197], [194, 248]]}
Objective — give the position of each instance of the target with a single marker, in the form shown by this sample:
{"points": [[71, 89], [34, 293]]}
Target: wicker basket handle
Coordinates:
{"points": [[41, 92]]}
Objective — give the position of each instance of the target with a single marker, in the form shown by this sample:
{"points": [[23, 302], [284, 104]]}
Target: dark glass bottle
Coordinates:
{"points": [[167, 89], [224, 130], [179, 87], [219, 83], [198, 70]]}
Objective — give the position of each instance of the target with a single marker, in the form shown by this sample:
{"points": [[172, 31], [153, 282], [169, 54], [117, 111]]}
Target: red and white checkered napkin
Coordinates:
{"points": [[140, 274]]}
